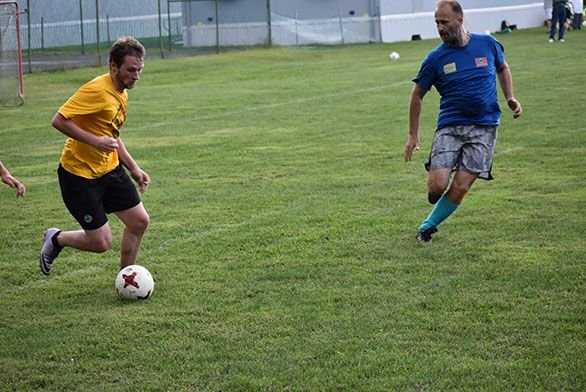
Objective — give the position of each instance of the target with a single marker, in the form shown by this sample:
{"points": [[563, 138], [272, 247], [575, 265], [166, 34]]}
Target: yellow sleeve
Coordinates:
{"points": [[86, 100]]}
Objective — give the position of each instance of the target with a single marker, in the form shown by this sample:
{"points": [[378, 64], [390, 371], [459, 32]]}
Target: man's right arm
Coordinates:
{"points": [[415, 104], [71, 129]]}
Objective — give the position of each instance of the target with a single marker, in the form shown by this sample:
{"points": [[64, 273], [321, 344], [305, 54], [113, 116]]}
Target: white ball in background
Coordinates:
{"points": [[487, 32], [394, 56]]}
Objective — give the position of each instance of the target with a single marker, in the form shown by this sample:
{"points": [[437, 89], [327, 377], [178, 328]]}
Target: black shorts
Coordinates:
{"points": [[89, 200]]}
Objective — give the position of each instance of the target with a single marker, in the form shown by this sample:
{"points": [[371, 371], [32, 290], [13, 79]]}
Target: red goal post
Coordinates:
{"points": [[11, 83]]}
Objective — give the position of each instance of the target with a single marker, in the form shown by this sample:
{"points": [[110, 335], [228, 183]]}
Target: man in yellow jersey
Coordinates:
{"points": [[91, 175]]}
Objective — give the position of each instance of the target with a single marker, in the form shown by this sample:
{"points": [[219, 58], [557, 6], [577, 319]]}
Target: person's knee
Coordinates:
{"points": [[457, 192], [102, 245], [139, 225], [99, 240], [435, 187], [437, 182]]}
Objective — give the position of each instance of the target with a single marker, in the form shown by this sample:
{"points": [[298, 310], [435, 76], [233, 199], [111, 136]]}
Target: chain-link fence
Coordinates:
{"points": [[64, 33], [67, 33], [279, 22]]}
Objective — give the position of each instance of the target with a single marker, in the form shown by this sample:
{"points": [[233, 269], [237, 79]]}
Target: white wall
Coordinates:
{"points": [[416, 17], [397, 7], [396, 28]]}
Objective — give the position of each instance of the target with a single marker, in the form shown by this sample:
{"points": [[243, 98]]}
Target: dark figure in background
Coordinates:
{"points": [[558, 20]]}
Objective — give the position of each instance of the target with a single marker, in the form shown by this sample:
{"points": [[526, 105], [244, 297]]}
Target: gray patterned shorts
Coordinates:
{"points": [[468, 148]]}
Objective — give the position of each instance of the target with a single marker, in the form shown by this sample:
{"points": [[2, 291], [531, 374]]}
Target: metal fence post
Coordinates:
{"points": [[81, 26], [296, 28], [169, 23], [98, 31], [160, 28], [108, 28], [217, 26], [269, 25], [42, 32], [341, 25], [28, 20]]}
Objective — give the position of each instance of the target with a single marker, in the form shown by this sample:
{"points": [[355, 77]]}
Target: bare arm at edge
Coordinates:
{"points": [[506, 82], [415, 104]]}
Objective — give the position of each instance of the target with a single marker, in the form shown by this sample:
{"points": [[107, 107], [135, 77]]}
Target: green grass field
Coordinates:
{"points": [[282, 234]]}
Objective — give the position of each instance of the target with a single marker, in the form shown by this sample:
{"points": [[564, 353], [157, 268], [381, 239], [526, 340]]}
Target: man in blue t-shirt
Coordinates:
{"points": [[464, 70]]}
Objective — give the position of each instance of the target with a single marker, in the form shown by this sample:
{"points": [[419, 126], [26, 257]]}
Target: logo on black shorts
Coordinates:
{"points": [[88, 218]]}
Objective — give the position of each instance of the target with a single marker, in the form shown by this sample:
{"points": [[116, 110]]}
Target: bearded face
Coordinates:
{"points": [[452, 36], [128, 73], [449, 25]]}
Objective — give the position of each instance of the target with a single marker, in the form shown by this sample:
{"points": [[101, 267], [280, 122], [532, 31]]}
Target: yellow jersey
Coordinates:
{"points": [[96, 107]]}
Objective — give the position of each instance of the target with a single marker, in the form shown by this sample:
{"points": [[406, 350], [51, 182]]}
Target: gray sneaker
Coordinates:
{"points": [[48, 252]]}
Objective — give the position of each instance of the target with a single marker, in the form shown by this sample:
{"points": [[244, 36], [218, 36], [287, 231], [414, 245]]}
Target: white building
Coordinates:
{"points": [[298, 22]]}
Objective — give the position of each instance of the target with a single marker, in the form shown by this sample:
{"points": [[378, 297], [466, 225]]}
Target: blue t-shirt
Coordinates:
{"points": [[466, 81]]}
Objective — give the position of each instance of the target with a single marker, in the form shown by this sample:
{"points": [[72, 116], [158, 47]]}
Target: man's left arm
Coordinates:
{"points": [[506, 82], [140, 176]]}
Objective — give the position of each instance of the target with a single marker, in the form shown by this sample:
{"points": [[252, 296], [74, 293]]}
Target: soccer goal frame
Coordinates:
{"points": [[10, 54]]}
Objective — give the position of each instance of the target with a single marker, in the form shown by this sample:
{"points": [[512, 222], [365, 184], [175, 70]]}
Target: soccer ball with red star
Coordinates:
{"points": [[135, 282]]}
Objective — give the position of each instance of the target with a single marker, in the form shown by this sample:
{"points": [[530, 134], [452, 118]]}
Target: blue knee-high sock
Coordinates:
{"points": [[442, 210]]}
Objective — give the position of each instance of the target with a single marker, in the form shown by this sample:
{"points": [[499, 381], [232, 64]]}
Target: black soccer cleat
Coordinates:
{"points": [[425, 235]]}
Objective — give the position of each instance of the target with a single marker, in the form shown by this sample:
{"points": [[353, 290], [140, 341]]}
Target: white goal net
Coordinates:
{"points": [[11, 86]]}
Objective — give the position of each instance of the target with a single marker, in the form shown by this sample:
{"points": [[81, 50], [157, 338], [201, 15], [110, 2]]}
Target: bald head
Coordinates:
{"points": [[453, 5]]}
